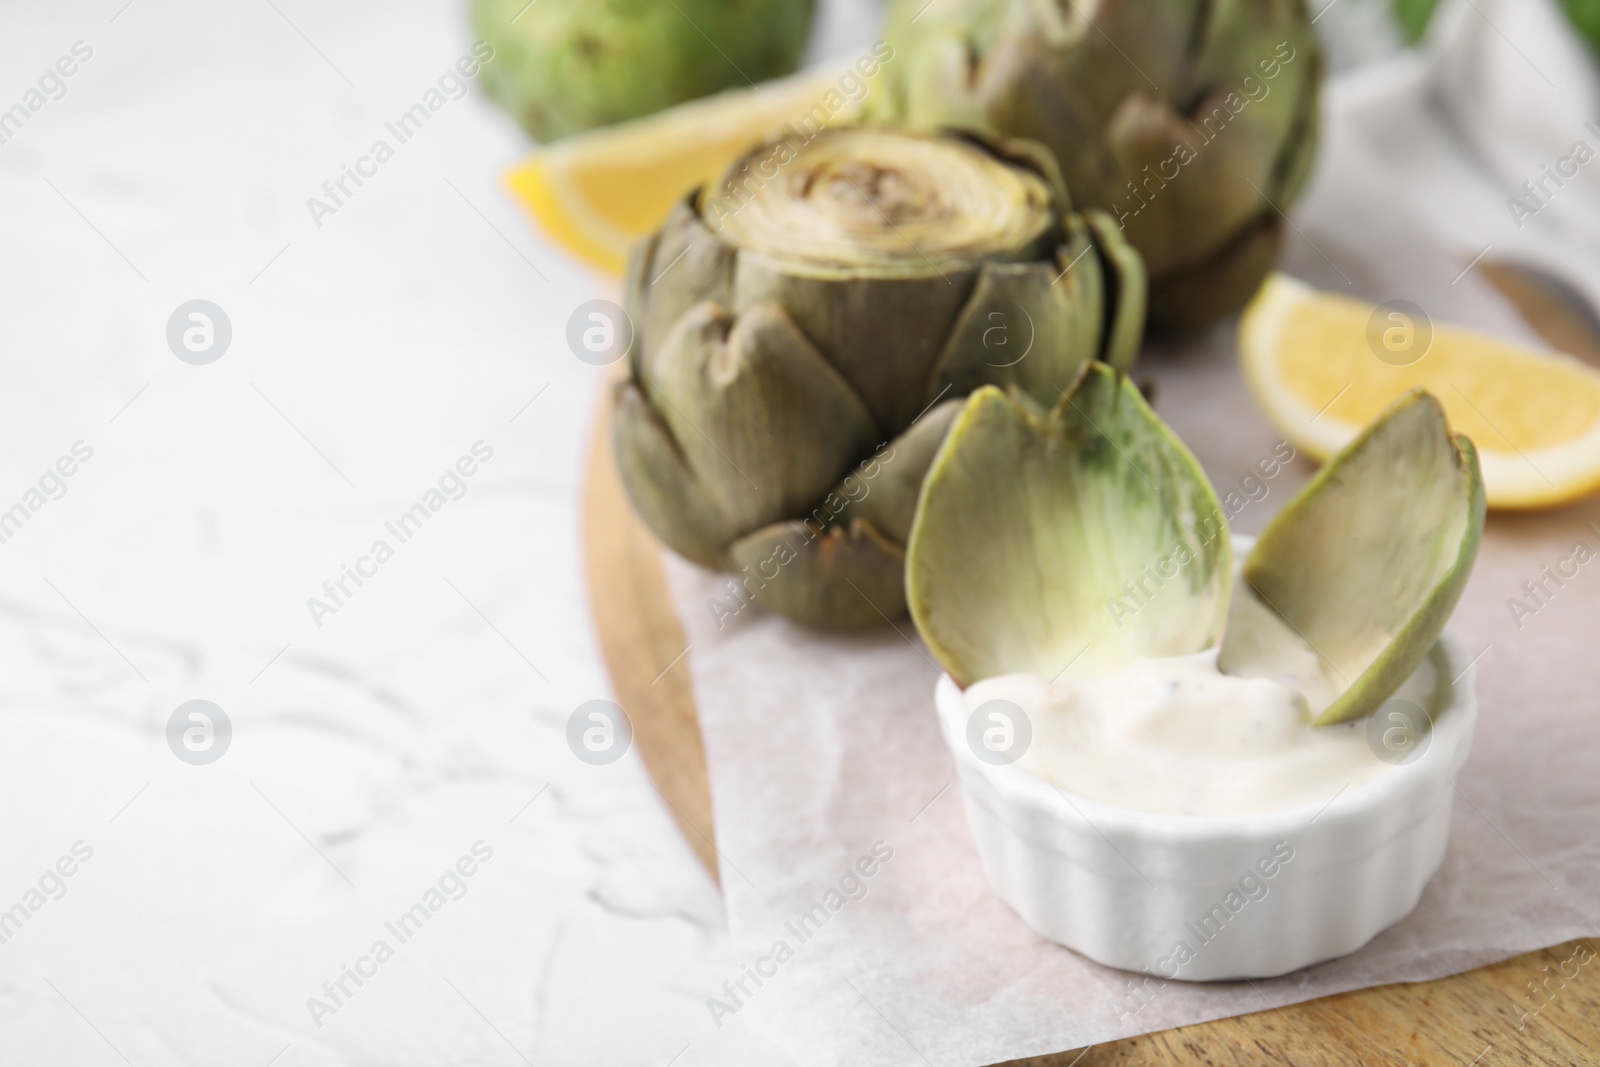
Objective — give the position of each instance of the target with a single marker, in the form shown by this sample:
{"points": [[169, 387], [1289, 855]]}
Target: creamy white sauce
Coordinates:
{"points": [[1175, 735]]}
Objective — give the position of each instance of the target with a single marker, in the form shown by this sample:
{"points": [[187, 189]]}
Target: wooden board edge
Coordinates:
{"points": [[643, 645], [1542, 1008]]}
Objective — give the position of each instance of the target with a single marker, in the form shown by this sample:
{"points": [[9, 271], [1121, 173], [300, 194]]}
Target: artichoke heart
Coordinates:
{"points": [[805, 331], [1192, 122]]}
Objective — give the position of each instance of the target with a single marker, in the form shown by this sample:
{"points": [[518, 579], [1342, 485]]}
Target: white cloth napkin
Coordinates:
{"points": [[1503, 93], [823, 750]]}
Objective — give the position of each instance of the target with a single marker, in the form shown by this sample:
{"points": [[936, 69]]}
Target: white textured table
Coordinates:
{"points": [[374, 744]]}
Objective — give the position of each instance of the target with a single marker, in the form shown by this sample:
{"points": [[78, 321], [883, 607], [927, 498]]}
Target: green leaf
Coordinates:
{"points": [[743, 399], [1585, 16], [1082, 537], [1414, 15], [843, 578], [1365, 565]]}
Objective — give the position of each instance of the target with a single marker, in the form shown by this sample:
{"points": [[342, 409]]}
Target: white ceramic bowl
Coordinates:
{"points": [[1127, 887]]}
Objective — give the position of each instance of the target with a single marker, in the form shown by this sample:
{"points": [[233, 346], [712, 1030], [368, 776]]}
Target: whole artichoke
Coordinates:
{"points": [[802, 331], [562, 66], [1192, 122]]}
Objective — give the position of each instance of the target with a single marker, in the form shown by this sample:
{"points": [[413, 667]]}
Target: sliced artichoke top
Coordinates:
{"points": [[883, 202], [1082, 537], [919, 263], [1366, 564]]}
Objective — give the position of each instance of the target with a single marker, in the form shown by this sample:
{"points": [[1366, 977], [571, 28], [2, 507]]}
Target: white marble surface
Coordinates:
{"points": [[428, 712]]}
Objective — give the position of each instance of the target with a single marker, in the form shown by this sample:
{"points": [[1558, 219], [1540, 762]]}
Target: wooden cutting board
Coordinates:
{"points": [[1477, 1019]]}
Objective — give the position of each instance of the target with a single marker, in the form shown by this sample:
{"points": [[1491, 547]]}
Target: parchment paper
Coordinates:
{"points": [[819, 747]]}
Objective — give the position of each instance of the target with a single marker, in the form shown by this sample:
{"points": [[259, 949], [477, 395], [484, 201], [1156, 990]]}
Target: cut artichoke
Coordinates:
{"points": [[1081, 537], [805, 328], [1192, 122], [1366, 564]]}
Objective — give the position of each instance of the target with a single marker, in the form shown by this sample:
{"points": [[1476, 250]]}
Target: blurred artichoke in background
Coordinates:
{"points": [[802, 332], [1193, 123], [562, 66]]}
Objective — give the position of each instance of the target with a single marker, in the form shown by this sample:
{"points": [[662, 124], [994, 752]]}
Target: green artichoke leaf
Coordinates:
{"points": [[1267, 55], [838, 578], [1184, 300], [1413, 17], [636, 293], [1078, 538], [762, 419], [1030, 325], [1365, 565], [1127, 296], [842, 567], [1190, 194], [659, 481], [883, 490], [682, 265], [883, 333], [940, 85]]}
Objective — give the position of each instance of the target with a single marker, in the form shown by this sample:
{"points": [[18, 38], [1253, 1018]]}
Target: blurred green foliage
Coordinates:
{"points": [[1585, 15], [1413, 16]]}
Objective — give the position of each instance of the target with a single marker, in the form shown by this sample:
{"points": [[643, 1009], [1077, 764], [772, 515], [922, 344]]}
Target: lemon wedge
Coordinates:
{"points": [[597, 193], [1323, 366]]}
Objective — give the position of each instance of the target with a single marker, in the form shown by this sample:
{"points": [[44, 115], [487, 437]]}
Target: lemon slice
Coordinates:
{"points": [[597, 193], [1323, 366]]}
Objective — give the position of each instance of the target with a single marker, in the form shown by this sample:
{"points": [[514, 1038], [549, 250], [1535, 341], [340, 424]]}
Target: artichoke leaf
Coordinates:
{"points": [[942, 90], [1365, 565], [1294, 167], [1030, 325], [660, 483], [880, 332], [883, 490], [1127, 293], [844, 564], [1184, 300], [1197, 180], [683, 265], [744, 399], [636, 293], [1075, 539], [838, 578], [1017, 73]]}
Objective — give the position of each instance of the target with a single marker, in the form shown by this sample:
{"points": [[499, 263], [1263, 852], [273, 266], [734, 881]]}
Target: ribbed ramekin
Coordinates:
{"points": [[1127, 887]]}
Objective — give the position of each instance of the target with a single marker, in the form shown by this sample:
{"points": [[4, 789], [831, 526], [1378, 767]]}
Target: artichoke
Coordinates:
{"points": [[562, 66], [803, 331], [1101, 542], [1193, 123]]}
